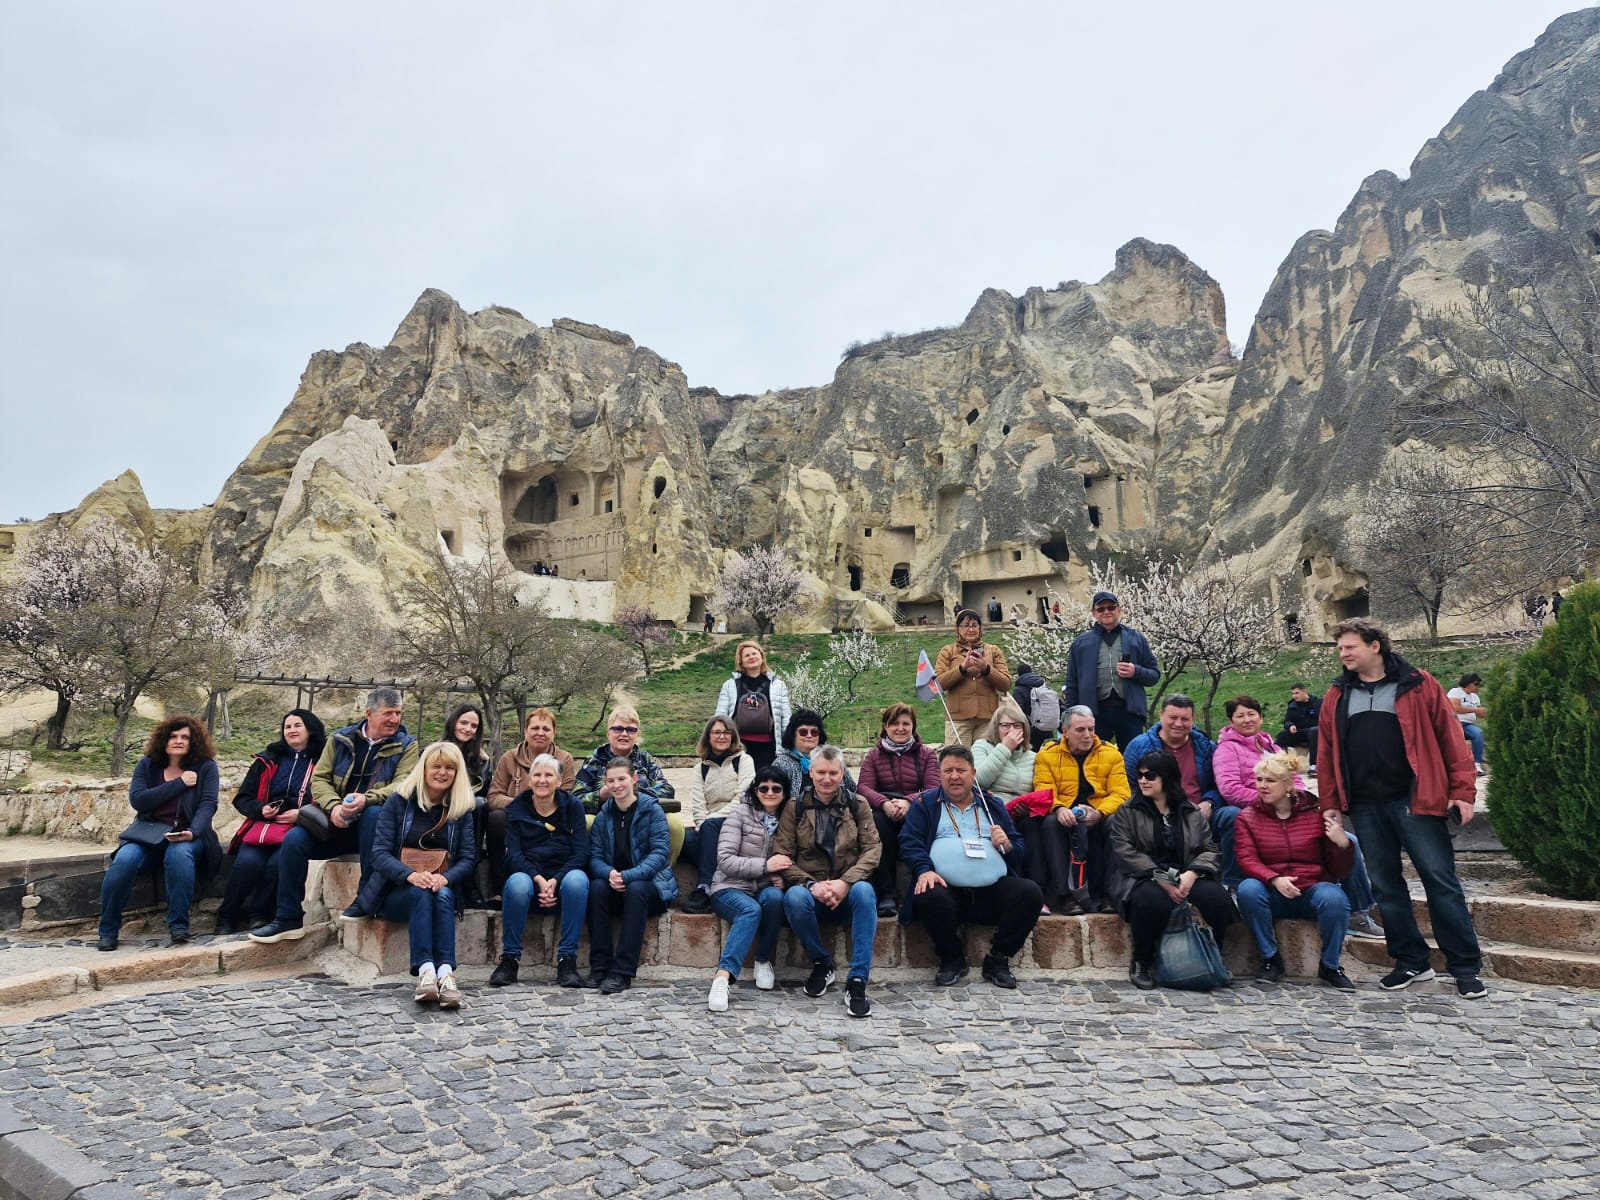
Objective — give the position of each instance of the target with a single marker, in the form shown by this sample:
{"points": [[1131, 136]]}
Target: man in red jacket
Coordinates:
{"points": [[1393, 758]]}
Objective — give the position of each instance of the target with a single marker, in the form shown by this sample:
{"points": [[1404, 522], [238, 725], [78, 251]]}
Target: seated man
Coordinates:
{"points": [[829, 836], [511, 778], [1300, 724], [1089, 783], [622, 741], [547, 851], [966, 855], [629, 872], [367, 758]]}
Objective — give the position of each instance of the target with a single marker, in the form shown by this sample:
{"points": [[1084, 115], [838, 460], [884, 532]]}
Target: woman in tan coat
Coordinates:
{"points": [[974, 676]]}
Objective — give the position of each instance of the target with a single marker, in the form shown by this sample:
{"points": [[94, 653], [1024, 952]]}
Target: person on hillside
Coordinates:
{"points": [[1108, 669], [424, 849], [1394, 760], [547, 851], [511, 779], [898, 769], [1470, 710], [1023, 692], [1088, 782], [269, 798], [974, 676], [630, 872], [747, 890], [721, 778], [967, 858], [829, 836], [1162, 855], [173, 793], [757, 702], [359, 765], [1300, 724], [1293, 854]]}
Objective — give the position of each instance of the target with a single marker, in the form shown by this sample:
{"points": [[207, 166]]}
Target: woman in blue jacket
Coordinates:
{"points": [[174, 796], [547, 857], [630, 872], [425, 847]]}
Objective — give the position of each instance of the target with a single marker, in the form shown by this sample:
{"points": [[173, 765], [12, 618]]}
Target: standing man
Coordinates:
{"points": [[1108, 669], [1395, 760], [359, 765], [1300, 724], [996, 612]]}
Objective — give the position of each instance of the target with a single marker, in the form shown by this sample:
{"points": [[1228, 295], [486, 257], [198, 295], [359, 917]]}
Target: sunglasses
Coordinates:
{"points": [[807, 731], [770, 787], [1147, 774], [624, 729]]}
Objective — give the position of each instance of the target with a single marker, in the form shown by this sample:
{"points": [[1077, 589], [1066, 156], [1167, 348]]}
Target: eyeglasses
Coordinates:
{"points": [[1012, 725], [624, 729], [1107, 607], [770, 787], [808, 731], [1144, 774]]}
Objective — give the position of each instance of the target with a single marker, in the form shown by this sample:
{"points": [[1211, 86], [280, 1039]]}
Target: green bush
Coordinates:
{"points": [[1544, 726]]}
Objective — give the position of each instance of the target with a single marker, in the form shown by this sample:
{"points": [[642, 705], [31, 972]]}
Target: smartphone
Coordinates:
{"points": [[175, 835]]}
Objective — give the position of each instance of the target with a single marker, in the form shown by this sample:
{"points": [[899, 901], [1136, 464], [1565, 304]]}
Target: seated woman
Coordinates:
{"points": [[1293, 855], [721, 780], [894, 773], [829, 836], [747, 890], [1161, 855], [803, 734], [547, 851], [757, 702], [511, 779], [426, 845], [1004, 759], [630, 871], [276, 785], [174, 797], [464, 727]]}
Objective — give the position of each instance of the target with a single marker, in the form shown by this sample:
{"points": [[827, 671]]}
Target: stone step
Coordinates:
{"points": [[1538, 922], [1566, 968]]}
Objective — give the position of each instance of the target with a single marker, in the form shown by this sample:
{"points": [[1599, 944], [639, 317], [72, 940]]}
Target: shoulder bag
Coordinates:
{"points": [[1188, 958]]}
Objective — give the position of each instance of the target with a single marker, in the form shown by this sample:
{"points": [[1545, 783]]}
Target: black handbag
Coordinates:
{"points": [[314, 820], [145, 832]]}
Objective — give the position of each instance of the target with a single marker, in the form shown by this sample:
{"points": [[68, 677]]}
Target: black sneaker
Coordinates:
{"points": [[595, 981], [820, 979], [354, 913], [1272, 970], [107, 941], [567, 973], [279, 931], [506, 973], [888, 908], [998, 971], [615, 983], [1335, 977], [178, 937], [1139, 975], [855, 998], [1403, 977], [950, 971], [697, 902], [1470, 987]]}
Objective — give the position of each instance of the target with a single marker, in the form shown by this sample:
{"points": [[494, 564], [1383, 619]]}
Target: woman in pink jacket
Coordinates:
{"points": [[1242, 744]]}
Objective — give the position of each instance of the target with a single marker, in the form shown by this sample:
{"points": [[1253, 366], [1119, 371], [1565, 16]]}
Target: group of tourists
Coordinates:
{"points": [[997, 827]]}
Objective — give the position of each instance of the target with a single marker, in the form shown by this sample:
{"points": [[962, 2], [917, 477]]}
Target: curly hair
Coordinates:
{"points": [[200, 747]]}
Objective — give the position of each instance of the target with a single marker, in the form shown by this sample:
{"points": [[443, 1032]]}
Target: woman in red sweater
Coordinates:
{"points": [[1292, 855], [893, 774]]}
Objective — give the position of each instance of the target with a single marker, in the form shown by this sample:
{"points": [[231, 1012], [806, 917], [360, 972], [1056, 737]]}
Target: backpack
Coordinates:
{"points": [[1044, 708]]}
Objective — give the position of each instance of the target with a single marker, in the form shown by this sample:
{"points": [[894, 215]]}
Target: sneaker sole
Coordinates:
{"points": [[852, 1012], [1477, 995], [1367, 935], [287, 935], [1420, 977], [828, 983], [348, 917]]}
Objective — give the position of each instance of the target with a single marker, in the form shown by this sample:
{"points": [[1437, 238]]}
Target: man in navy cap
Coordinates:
{"points": [[1108, 669]]}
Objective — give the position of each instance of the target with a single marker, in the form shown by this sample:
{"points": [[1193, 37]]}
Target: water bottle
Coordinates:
{"points": [[1080, 812]]}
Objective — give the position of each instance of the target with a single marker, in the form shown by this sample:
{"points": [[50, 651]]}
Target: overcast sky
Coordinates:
{"points": [[196, 197]]}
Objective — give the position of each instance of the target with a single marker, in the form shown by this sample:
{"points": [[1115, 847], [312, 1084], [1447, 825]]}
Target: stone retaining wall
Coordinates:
{"points": [[97, 811]]}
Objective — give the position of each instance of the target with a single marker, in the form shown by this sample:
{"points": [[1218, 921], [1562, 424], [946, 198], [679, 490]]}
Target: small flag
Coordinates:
{"points": [[927, 681]]}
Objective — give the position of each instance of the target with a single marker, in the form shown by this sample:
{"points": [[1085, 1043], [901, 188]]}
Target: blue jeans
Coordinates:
{"points": [[1358, 884], [1261, 904], [299, 848], [1223, 816], [860, 907], [1474, 734], [572, 905], [700, 848], [1385, 829], [431, 918], [752, 919], [176, 858]]}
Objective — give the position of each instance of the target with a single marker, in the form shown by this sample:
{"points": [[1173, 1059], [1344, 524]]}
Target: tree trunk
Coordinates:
{"points": [[56, 726], [1216, 682], [224, 717], [119, 740]]}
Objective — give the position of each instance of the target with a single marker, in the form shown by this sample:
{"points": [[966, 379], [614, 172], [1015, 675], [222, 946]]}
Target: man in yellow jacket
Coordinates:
{"points": [[1089, 782]]}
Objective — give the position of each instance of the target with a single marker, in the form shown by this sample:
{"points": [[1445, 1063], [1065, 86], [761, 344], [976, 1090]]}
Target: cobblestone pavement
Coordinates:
{"points": [[313, 1088]]}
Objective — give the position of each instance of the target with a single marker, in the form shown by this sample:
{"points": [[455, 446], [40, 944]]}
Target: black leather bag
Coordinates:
{"points": [[145, 832], [314, 820]]}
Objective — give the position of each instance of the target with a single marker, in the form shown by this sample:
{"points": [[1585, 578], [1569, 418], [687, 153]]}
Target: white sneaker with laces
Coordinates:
{"points": [[718, 1000], [766, 977]]}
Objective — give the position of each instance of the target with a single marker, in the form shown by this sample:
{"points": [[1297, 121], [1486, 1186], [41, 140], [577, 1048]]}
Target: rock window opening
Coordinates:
{"points": [[660, 486], [538, 503], [1056, 549], [1305, 566], [652, 547], [1016, 556], [1005, 430], [449, 536], [900, 577], [609, 505], [1094, 515], [855, 577], [572, 500], [868, 532], [972, 416]]}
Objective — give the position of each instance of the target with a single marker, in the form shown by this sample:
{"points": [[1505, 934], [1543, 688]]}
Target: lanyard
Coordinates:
{"points": [[977, 820]]}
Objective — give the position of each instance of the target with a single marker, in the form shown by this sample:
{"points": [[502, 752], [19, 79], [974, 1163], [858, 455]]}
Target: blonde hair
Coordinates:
{"points": [[461, 801], [624, 712], [1278, 768], [738, 654], [1006, 708]]}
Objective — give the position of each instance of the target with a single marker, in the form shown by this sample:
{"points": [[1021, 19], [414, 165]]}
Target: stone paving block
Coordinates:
{"points": [[1107, 940], [245, 955], [13, 1121], [146, 966], [1058, 943], [39, 1167], [44, 985], [694, 939]]}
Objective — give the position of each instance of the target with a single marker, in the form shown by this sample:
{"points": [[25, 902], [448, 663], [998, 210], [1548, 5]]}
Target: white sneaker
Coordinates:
{"points": [[766, 977], [427, 988], [718, 1000]]}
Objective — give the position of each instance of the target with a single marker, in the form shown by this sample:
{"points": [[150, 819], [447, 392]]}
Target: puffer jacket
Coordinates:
{"points": [[1006, 773], [650, 841], [1234, 764], [904, 773], [1131, 833], [777, 697], [400, 812], [716, 787], [647, 772], [1056, 768], [743, 850], [1266, 845], [395, 756], [856, 846]]}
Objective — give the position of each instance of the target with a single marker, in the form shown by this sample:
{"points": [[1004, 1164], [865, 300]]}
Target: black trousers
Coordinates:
{"points": [[1011, 905], [494, 839], [1114, 723], [1306, 738], [885, 880], [1149, 908], [1061, 880]]}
